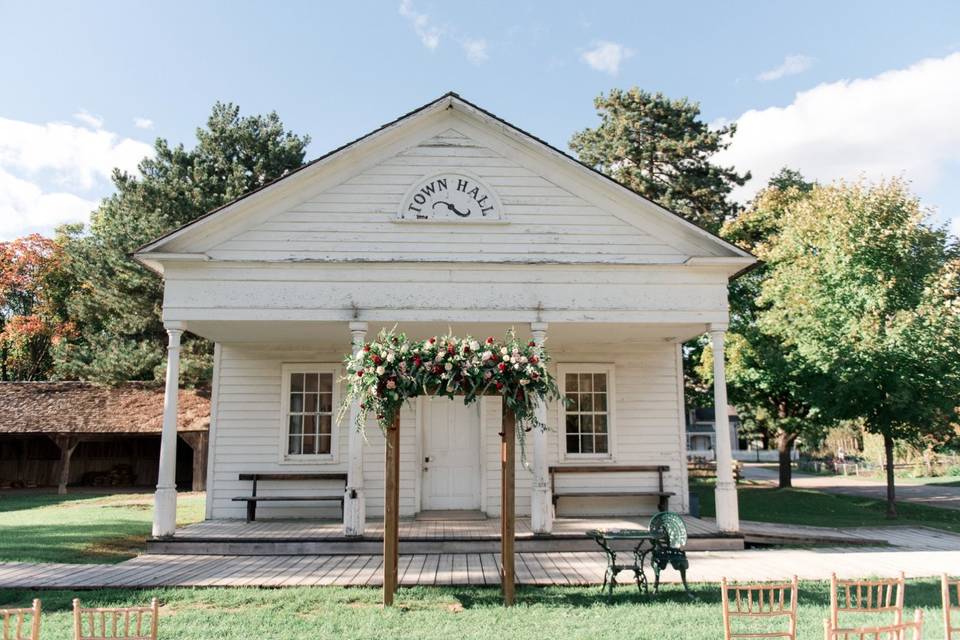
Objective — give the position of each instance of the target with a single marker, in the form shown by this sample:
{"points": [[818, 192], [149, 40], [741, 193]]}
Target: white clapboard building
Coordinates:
{"points": [[447, 219]]}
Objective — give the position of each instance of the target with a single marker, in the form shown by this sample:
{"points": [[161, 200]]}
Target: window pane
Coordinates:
{"points": [[309, 444], [573, 403], [326, 383], [310, 402], [310, 383], [323, 444], [600, 424], [296, 382], [296, 402], [324, 425], [571, 382], [573, 423], [294, 445], [586, 424], [599, 402], [586, 382], [586, 443], [326, 402], [573, 444], [586, 402], [601, 444], [599, 382], [309, 424], [296, 425]]}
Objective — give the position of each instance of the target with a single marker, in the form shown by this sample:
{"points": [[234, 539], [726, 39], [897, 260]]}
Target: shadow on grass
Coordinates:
{"points": [[106, 541]]}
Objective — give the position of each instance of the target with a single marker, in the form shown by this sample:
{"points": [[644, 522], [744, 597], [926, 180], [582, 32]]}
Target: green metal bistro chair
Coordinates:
{"points": [[668, 549]]}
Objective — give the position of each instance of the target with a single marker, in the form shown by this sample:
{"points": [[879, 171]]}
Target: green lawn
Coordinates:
{"points": [[805, 506], [82, 527], [465, 613]]}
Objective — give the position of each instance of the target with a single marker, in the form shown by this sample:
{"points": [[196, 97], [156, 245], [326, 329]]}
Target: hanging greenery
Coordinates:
{"points": [[392, 369]]}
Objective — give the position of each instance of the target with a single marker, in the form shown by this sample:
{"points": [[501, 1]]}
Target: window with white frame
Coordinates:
{"points": [[586, 418], [308, 406]]}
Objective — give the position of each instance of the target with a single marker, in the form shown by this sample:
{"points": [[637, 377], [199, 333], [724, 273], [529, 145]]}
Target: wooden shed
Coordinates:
{"points": [[78, 433]]}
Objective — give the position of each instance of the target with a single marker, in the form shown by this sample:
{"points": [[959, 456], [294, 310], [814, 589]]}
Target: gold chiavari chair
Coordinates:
{"points": [[951, 607], [880, 595], [123, 623], [760, 601], [21, 624], [897, 631]]}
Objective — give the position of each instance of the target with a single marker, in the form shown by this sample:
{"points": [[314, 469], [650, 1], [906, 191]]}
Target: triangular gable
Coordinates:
{"points": [[466, 128]]}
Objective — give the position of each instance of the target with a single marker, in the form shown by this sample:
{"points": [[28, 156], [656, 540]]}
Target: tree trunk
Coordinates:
{"points": [[784, 446], [891, 491]]}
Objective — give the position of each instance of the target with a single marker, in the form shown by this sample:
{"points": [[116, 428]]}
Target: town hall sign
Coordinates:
{"points": [[450, 197]]}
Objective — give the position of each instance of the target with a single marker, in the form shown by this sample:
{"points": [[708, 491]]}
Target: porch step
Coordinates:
{"points": [[374, 545]]}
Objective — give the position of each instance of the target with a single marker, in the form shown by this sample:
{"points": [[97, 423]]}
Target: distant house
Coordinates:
{"points": [[77, 433], [701, 431]]}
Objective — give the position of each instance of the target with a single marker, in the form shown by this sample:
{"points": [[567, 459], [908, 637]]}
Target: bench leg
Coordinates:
{"points": [[251, 511], [662, 503]]}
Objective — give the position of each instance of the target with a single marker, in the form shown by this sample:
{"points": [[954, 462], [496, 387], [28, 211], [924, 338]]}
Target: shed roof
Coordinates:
{"points": [[85, 408]]}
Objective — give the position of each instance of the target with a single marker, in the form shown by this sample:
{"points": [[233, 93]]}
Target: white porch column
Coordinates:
{"points": [[165, 500], [541, 505], [354, 504], [728, 513]]}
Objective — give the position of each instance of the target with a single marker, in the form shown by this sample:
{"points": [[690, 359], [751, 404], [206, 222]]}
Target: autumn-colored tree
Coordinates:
{"points": [[34, 285]]}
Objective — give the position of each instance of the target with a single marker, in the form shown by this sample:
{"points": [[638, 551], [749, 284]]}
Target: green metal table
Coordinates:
{"points": [[645, 542]]}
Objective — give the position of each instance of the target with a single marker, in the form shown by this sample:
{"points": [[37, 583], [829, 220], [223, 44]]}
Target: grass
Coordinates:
{"points": [[81, 527], [763, 503], [464, 613]]}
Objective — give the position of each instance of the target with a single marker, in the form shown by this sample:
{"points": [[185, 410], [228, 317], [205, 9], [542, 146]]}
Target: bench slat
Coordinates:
{"points": [[609, 468], [284, 498], [293, 476], [616, 494]]}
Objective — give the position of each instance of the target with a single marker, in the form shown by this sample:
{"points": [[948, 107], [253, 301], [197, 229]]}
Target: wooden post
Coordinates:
{"points": [[67, 445], [508, 443], [391, 503], [198, 443]]}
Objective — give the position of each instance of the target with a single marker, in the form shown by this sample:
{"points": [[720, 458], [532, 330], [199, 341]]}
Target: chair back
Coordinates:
{"points": [[767, 600], [866, 596], [122, 623], [21, 624], [951, 607], [900, 631], [670, 526]]}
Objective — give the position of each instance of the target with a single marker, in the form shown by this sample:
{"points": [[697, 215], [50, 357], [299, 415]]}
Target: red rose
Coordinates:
{"points": [[366, 347], [360, 373], [377, 359], [417, 361], [501, 366], [490, 340], [451, 348], [534, 376], [534, 359], [432, 340], [531, 344], [499, 386]]}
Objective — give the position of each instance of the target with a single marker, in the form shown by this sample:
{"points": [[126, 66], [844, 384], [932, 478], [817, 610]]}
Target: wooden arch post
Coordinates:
{"points": [[508, 451], [391, 511]]}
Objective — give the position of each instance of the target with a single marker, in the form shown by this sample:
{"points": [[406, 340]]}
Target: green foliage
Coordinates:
{"points": [[867, 296], [661, 149], [117, 303]]}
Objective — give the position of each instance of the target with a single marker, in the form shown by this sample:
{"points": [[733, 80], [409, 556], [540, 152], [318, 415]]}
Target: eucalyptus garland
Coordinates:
{"points": [[393, 369]]}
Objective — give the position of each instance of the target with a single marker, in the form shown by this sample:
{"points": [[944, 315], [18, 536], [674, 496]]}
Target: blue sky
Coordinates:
{"points": [[837, 89]]}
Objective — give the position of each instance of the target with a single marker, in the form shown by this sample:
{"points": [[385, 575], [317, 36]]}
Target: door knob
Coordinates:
{"points": [[427, 459]]}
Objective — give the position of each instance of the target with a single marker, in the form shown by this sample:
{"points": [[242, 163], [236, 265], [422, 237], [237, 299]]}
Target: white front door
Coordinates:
{"points": [[451, 455]]}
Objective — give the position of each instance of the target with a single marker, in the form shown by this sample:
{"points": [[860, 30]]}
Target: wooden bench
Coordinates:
{"points": [[253, 498], [662, 496]]}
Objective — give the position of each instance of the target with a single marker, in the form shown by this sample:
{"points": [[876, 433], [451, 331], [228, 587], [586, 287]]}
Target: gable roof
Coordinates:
{"points": [[450, 100], [84, 408]]}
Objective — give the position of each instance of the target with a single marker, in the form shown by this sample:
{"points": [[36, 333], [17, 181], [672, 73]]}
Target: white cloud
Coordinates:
{"points": [[54, 173], [476, 49], [25, 208], [899, 123], [76, 156], [428, 32], [89, 119], [143, 123], [791, 66], [606, 56]]}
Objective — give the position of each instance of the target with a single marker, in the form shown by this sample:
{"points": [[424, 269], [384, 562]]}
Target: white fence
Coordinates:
{"points": [[745, 455]]}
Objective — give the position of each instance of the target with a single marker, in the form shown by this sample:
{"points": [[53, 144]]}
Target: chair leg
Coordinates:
{"points": [[683, 578], [656, 578]]}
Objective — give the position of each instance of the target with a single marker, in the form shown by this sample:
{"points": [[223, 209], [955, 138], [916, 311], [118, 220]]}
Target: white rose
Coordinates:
{"points": [[516, 366], [524, 381], [486, 355], [448, 366], [523, 359], [474, 346], [504, 351], [390, 357], [404, 348], [380, 370]]}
